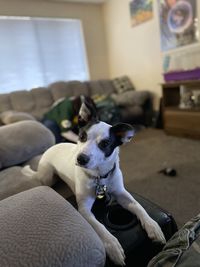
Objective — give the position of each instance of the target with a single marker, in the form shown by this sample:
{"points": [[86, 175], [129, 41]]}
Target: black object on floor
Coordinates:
{"points": [[138, 248], [168, 171]]}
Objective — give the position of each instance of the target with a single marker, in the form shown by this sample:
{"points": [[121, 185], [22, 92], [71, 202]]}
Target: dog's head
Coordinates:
{"points": [[98, 140]]}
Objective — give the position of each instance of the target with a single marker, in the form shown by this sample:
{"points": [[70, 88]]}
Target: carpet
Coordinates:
{"points": [[152, 150]]}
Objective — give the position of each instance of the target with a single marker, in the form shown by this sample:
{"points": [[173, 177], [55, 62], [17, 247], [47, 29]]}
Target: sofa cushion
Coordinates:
{"points": [[22, 101], [13, 181], [11, 116], [20, 141], [38, 227], [60, 90], [122, 84], [78, 88], [42, 97], [107, 86], [68, 89], [5, 103], [96, 88]]}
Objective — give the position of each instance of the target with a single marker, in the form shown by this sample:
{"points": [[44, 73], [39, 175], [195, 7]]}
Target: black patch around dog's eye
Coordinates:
{"points": [[82, 136], [104, 144], [107, 146]]}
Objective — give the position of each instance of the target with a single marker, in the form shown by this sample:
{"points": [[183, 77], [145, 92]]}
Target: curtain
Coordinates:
{"points": [[35, 52]]}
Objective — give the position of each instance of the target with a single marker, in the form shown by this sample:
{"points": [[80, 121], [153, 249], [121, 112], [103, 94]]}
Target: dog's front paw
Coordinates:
{"points": [[114, 250], [154, 231]]}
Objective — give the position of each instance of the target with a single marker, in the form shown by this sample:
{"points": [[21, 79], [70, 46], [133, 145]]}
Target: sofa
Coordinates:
{"points": [[38, 227], [135, 106]]}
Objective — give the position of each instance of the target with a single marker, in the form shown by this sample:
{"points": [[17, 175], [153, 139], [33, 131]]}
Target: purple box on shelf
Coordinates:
{"points": [[182, 75]]}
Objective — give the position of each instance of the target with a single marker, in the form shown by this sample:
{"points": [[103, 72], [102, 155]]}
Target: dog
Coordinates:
{"points": [[90, 168]]}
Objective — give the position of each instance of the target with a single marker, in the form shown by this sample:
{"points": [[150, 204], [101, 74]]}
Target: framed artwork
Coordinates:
{"points": [[140, 11], [178, 23]]}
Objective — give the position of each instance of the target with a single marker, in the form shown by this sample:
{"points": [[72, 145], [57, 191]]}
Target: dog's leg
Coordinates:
{"points": [[111, 244], [126, 200]]}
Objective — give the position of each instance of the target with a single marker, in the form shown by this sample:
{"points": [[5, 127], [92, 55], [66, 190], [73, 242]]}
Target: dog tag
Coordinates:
{"points": [[100, 191]]}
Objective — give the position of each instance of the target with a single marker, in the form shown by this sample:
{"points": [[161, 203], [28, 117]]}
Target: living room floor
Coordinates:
{"points": [[152, 150]]}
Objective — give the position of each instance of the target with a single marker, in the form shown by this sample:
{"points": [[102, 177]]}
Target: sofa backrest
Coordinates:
{"points": [[37, 101]]}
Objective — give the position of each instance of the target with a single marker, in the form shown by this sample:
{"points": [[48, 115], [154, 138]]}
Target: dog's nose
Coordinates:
{"points": [[82, 159]]}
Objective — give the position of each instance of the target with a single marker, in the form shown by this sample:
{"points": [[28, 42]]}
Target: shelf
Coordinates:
{"points": [[178, 121], [178, 83], [175, 108]]}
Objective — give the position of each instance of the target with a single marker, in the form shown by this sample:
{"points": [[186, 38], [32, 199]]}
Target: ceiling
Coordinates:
{"points": [[81, 1]]}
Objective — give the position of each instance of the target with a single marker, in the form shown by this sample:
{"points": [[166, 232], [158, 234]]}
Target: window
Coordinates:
{"points": [[35, 52]]}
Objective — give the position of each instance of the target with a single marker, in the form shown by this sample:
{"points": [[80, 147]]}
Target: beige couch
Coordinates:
{"points": [[135, 106]]}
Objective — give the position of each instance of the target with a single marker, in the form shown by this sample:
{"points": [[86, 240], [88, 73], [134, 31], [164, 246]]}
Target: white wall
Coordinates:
{"points": [[134, 51], [92, 21]]}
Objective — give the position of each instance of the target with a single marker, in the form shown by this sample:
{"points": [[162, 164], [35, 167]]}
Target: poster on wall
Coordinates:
{"points": [[178, 23], [141, 11]]}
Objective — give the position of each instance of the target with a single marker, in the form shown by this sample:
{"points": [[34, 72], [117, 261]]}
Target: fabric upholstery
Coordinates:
{"points": [[96, 88], [13, 181], [60, 89], [23, 140], [107, 86], [42, 97], [78, 88], [11, 116], [38, 101], [130, 98], [5, 103], [22, 101], [40, 228]]}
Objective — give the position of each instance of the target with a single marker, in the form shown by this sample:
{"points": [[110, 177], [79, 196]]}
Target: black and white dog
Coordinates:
{"points": [[91, 167]]}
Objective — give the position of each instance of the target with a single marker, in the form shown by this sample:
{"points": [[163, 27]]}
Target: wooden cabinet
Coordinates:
{"points": [[180, 121]]}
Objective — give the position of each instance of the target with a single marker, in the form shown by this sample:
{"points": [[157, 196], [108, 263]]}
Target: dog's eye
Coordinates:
{"points": [[83, 137], [104, 143]]}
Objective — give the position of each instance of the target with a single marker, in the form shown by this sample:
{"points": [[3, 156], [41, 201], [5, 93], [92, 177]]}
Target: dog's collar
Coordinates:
{"points": [[108, 173], [101, 189]]}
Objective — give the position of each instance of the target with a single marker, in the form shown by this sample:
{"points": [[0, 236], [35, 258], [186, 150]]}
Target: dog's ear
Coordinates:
{"points": [[123, 133], [87, 113]]}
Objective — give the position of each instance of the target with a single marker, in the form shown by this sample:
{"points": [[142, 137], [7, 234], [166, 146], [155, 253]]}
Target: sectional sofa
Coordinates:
{"points": [[135, 106]]}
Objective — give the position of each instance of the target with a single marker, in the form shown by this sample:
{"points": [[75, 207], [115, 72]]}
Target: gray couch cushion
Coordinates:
{"points": [[23, 140], [5, 103], [60, 89], [40, 228], [96, 88], [42, 97], [78, 88], [13, 181], [11, 116], [68, 89], [22, 101], [107, 86]]}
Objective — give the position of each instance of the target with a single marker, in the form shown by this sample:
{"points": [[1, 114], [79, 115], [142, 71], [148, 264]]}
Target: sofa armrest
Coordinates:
{"points": [[40, 228], [131, 97]]}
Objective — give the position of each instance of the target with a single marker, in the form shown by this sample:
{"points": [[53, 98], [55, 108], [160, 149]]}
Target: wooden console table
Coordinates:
{"points": [[178, 121]]}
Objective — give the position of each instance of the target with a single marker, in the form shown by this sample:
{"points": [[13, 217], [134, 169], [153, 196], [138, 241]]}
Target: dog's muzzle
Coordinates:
{"points": [[82, 159]]}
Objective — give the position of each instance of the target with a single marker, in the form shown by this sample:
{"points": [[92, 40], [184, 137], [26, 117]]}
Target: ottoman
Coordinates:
{"points": [[138, 248]]}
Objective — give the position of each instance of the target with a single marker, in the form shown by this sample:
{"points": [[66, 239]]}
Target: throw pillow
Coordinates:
{"points": [[123, 84], [12, 116]]}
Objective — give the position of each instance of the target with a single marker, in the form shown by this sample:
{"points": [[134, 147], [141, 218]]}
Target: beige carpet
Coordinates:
{"points": [[152, 150]]}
